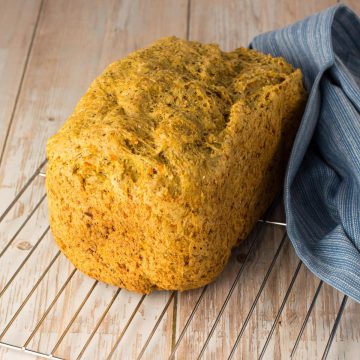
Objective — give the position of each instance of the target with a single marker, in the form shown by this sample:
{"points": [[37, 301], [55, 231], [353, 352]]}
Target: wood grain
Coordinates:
{"points": [[233, 23], [73, 42], [18, 19]]}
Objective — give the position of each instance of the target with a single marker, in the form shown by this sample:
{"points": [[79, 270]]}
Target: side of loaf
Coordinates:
{"points": [[168, 161]]}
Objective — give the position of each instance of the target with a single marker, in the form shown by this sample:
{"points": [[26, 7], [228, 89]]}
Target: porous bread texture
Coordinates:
{"points": [[168, 161]]}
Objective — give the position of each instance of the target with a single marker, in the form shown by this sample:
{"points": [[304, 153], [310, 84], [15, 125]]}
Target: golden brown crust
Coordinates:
{"points": [[168, 160]]}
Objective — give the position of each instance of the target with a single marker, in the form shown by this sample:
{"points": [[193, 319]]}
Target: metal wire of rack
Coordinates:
{"points": [[176, 343]]}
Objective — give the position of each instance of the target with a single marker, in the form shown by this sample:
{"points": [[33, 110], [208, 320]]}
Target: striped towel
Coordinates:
{"points": [[322, 184]]}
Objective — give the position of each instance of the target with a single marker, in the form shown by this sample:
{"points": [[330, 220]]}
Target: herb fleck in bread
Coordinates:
{"points": [[168, 161]]}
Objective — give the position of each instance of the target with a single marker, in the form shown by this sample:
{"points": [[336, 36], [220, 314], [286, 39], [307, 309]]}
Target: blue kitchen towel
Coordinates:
{"points": [[322, 184]]}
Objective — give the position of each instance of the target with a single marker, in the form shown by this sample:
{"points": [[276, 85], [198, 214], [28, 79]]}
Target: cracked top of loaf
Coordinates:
{"points": [[168, 161], [163, 114]]}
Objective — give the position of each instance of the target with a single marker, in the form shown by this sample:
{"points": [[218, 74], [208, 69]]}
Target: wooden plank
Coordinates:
{"points": [[233, 23], [347, 340], [21, 213], [317, 331], [75, 41], [29, 214], [16, 355], [15, 44]]}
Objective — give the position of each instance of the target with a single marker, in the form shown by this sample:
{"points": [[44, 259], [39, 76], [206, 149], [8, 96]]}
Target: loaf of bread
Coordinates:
{"points": [[168, 161]]}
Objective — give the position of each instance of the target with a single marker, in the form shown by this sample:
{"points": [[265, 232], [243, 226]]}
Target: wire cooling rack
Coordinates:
{"points": [[50, 310]]}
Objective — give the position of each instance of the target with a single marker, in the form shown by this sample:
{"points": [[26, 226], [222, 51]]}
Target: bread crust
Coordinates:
{"points": [[168, 161]]}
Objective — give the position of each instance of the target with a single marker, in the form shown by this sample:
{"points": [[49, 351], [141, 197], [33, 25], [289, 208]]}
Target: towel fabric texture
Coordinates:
{"points": [[322, 185]]}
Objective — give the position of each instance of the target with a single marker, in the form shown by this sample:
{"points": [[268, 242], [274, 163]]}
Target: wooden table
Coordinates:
{"points": [[50, 51]]}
